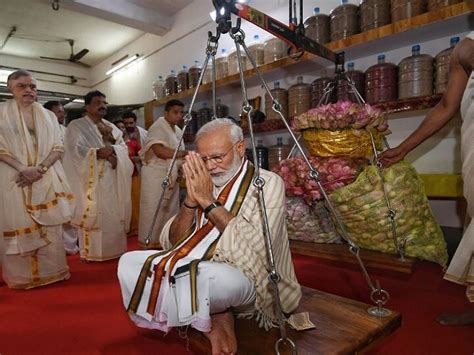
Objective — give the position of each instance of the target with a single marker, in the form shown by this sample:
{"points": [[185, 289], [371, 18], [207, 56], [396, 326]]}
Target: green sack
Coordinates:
{"points": [[364, 212]]}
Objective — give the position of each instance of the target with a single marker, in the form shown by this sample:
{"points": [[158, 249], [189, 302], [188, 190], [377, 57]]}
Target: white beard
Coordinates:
{"points": [[221, 180]]}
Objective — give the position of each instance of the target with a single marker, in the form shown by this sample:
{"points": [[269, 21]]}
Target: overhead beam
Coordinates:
{"points": [[124, 13]]}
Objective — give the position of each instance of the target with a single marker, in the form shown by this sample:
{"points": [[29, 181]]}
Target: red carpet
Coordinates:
{"points": [[84, 315]]}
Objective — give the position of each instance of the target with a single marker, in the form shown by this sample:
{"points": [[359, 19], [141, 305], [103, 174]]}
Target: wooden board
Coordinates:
{"points": [[343, 326], [340, 253]]}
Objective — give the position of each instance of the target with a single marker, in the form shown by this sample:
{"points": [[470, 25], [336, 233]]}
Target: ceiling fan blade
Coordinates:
{"points": [[52, 58], [79, 55], [83, 64]]}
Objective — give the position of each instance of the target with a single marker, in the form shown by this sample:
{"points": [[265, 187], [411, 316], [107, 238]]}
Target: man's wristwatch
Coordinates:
{"points": [[43, 168], [209, 208]]}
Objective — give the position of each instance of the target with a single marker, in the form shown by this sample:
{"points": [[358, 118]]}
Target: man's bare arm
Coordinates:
{"points": [[443, 111]]}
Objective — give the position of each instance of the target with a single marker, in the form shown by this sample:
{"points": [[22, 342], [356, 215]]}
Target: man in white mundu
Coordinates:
{"points": [[160, 143], [215, 263], [70, 232], [458, 96], [35, 199], [99, 172]]}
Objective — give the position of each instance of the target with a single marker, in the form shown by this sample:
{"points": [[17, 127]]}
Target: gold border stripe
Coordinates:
{"points": [[50, 204], [21, 231]]}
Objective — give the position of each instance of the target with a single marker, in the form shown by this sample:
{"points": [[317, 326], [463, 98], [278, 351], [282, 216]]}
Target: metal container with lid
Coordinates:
{"points": [[344, 21], [345, 91], [274, 49], [222, 69], [381, 81], [204, 116], [191, 128], [171, 84], [317, 90], [434, 5], [277, 153], [373, 14], [257, 51], [317, 27], [207, 78], [233, 62], [403, 9], [159, 88], [281, 95], [222, 111], [415, 75], [262, 155], [194, 74], [442, 61], [182, 79], [299, 98]]}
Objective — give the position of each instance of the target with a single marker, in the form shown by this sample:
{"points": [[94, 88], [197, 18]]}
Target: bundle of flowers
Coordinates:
{"points": [[335, 172], [343, 115], [309, 223]]}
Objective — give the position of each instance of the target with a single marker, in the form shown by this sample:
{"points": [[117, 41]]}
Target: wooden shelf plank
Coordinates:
{"points": [[411, 104], [333, 334], [340, 253]]}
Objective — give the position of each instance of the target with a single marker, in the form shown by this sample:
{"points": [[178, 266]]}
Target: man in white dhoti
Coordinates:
{"points": [[99, 171], [160, 144], [35, 199], [459, 96], [70, 232], [215, 263]]}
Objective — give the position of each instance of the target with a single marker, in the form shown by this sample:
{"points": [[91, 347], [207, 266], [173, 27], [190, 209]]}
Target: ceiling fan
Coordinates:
{"points": [[73, 57]]}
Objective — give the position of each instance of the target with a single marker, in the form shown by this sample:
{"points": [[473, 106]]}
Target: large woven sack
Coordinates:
{"points": [[309, 223], [364, 211]]}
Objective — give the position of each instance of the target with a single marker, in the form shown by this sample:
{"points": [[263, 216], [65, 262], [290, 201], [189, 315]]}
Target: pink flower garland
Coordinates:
{"points": [[341, 115], [335, 172]]}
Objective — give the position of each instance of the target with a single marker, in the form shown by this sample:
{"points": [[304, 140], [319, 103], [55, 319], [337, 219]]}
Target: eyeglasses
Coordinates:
{"points": [[217, 159]]}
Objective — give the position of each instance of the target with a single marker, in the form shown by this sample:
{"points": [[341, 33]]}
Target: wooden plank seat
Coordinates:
{"points": [[343, 326], [339, 253]]}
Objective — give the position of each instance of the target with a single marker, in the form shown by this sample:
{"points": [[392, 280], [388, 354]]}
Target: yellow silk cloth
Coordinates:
{"points": [[443, 185], [350, 142]]}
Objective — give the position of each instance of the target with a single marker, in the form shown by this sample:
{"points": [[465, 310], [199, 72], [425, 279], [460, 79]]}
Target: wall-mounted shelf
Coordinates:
{"points": [[443, 22]]}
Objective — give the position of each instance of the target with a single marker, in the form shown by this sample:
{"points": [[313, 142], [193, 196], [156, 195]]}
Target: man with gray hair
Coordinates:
{"points": [[35, 199], [214, 264]]}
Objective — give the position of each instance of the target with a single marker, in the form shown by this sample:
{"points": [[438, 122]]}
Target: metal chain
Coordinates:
{"points": [[376, 291], [259, 183], [211, 50], [391, 212]]}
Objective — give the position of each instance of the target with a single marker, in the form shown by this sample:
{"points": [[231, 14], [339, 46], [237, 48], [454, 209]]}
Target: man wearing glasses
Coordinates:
{"points": [[215, 263]]}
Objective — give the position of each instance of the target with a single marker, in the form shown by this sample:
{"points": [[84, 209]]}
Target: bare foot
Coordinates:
{"points": [[465, 318], [222, 334], [83, 260]]}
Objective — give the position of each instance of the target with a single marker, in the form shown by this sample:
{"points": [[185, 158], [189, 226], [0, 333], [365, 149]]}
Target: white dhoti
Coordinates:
{"points": [[31, 217], [153, 172], [461, 268], [39, 267], [220, 287], [103, 210]]}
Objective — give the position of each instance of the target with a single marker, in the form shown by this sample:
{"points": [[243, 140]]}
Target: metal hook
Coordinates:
{"points": [[55, 5]]}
